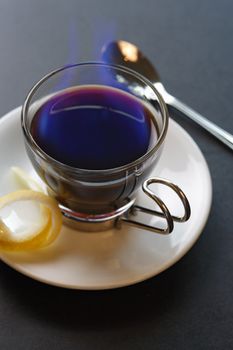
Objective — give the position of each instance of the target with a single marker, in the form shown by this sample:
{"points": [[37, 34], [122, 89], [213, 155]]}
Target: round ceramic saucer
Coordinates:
{"points": [[117, 257]]}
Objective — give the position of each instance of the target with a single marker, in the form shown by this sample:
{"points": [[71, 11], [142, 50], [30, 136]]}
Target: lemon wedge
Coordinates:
{"points": [[40, 235]]}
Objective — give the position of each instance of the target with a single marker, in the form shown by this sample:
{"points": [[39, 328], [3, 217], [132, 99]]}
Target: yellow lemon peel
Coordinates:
{"points": [[50, 224], [25, 181]]}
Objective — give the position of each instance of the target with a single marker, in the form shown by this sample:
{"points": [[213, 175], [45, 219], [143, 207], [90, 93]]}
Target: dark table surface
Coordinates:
{"points": [[189, 306]]}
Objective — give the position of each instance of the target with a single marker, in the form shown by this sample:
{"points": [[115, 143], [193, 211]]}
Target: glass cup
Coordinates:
{"points": [[88, 194]]}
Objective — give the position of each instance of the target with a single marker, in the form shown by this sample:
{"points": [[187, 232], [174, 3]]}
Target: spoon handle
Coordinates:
{"points": [[212, 128]]}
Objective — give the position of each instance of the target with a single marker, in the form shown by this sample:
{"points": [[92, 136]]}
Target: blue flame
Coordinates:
{"points": [[66, 78], [114, 123]]}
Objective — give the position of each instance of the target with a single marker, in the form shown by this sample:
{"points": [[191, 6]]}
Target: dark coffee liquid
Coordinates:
{"points": [[94, 127]]}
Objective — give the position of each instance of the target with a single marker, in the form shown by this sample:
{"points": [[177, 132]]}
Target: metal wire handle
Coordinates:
{"points": [[165, 213]]}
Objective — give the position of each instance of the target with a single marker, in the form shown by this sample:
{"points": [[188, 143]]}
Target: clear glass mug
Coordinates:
{"points": [[99, 196]]}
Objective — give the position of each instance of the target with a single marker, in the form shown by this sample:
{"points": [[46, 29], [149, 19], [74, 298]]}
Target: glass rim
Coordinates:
{"points": [[45, 156]]}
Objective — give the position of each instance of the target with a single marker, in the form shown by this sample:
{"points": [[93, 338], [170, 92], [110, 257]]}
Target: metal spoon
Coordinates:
{"points": [[126, 54]]}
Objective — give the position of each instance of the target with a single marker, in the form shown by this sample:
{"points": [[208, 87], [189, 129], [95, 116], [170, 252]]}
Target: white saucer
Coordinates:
{"points": [[114, 258]]}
